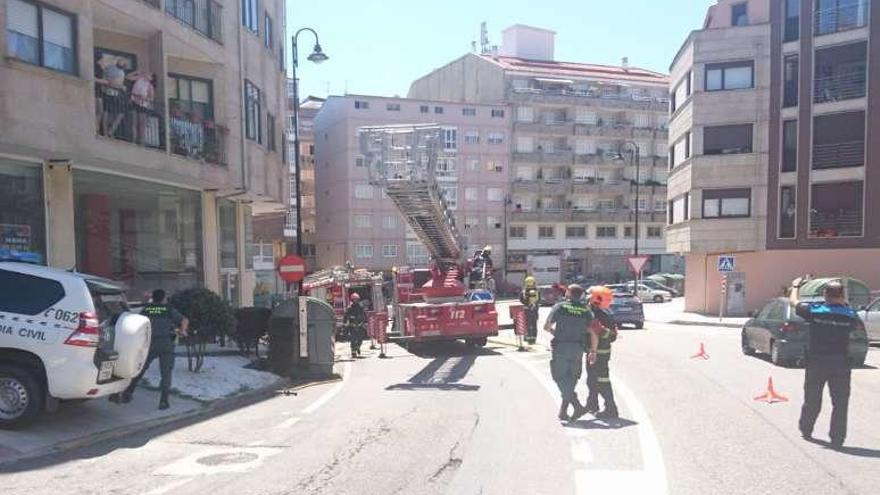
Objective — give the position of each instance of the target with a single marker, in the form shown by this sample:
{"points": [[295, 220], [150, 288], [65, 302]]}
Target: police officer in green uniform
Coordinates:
{"points": [[572, 319], [165, 322]]}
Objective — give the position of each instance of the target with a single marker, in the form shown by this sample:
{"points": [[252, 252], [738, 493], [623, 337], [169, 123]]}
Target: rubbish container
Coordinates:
{"points": [[285, 357]]}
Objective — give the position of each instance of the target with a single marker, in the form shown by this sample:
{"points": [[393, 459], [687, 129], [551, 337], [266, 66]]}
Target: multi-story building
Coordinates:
{"points": [[308, 110], [137, 138], [357, 223], [572, 191], [779, 120]]}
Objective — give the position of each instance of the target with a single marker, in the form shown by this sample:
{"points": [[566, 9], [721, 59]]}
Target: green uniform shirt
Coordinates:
{"points": [[572, 320], [163, 320]]}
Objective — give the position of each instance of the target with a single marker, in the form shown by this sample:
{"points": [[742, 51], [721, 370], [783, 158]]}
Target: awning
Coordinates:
{"points": [[554, 81]]}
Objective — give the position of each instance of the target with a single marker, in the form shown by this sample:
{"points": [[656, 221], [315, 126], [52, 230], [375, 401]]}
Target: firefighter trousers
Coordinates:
{"points": [[566, 366], [599, 383], [836, 372], [356, 338], [532, 325]]}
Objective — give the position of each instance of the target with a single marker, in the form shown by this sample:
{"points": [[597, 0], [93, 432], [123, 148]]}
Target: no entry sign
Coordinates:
{"points": [[292, 268]]}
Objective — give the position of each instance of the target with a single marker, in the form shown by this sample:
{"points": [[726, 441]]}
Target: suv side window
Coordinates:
{"points": [[29, 295], [777, 311], [765, 312]]}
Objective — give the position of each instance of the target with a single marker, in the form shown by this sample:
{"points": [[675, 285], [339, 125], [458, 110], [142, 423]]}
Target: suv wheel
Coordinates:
{"points": [[639, 325], [20, 396], [774, 354], [658, 299], [747, 350]]}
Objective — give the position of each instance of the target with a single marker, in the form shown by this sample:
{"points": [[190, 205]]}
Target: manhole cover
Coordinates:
{"points": [[228, 458]]}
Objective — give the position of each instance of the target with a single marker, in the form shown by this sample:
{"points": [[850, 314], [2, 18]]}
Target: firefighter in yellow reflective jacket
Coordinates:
{"points": [[603, 332], [529, 297]]}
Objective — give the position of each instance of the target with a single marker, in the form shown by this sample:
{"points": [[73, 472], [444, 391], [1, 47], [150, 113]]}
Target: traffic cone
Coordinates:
{"points": [[771, 396], [702, 354]]}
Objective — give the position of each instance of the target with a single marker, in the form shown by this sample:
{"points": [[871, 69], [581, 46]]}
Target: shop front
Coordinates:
{"points": [[22, 211]]}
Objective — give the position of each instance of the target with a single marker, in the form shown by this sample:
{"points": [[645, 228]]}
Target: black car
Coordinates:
{"points": [[627, 310], [777, 331]]}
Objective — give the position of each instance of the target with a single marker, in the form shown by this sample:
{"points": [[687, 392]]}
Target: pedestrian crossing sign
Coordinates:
{"points": [[726, 264]]}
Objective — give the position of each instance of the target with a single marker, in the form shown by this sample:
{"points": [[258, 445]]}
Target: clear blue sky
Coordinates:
{"points": [[379, 47]]}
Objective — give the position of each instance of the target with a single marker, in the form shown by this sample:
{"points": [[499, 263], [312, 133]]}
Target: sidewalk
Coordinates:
{"points": [[673, 313]]}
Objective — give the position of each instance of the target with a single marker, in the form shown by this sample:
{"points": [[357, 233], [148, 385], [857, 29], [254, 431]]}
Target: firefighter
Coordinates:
{"points": [[603, 332], [166, 324], [530, 298], [572, 319], [481, 268], [827, 360], [355, 319]]}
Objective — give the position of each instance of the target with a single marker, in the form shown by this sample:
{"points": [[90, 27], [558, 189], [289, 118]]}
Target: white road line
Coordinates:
{"points": [[170, 486], [287, 423], [330, 393]]}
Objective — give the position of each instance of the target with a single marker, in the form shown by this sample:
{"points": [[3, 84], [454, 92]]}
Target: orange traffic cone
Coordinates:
{"points": [[702, 354], [771, 396]]}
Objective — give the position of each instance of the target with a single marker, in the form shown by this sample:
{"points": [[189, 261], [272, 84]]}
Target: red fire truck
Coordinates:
{"points": [[336, 285], [402, 161]]}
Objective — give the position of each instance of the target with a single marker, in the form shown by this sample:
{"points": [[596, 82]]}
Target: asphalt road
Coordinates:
{"points": [[456, 421]]}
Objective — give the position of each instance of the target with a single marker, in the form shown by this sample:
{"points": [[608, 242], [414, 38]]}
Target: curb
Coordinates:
{"points": [[699, 323]]}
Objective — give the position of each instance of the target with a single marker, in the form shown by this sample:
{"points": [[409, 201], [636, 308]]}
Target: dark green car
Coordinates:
{"points": [[778, 332]]}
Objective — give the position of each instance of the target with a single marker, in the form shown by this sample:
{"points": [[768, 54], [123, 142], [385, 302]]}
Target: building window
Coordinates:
{"points": [[836, 209], [424, 109], [471, 193], [586, 116], [727, 203], [493, 222], [789, 145], [363, 221], [496, 138], [359, 162], [363, 251], [517, 232], [495, 194], [363, 191], [606, 232], [682, 91], [576, 232], [787, 212], [655, 232], [725, 77], [191, 96], [681, 150], [250, 16], [450, 139], [841, 73], [389, 222], [270, 132], [469, 112], [438, 110], [497, 114], [546, 232], [739, 14], [679, 209], [253, 111], [389, 251], [361, 105], [268, 34], [727, 139], [392, 107], [41, 35], [628, 232], [471, 222], [834, 16], [450, 195], [525, 144], [472, 137], [839, 140], [792, 20], [790, 88], [22, 210]]}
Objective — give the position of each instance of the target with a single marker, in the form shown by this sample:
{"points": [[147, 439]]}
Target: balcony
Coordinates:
{"points": [[839, 87], [584, 215], [205, 16], [593, 186], [841, 18], [841, 72], [547, 187], [588, 98], [120, 117], [198, 139], [619, 130], [839, 155], [561, 157]]}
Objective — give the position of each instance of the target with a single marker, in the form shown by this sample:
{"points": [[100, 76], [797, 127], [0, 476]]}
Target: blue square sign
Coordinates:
{"points": [[726, 264]]}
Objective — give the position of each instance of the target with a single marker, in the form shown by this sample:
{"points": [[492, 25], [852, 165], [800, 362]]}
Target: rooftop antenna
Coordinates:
{"points": [[484, 38], [474, 46]]}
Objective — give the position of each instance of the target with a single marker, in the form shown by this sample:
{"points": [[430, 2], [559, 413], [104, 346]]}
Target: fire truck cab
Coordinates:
{"points": [[336, 285]]}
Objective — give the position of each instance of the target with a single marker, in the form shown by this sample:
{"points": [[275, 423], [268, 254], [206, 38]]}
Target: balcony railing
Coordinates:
{"points": [[840, 87], [205, 16], [842, 18], [839, 155], [620, 214], [576, 96], [198, 140], [118, 116]]}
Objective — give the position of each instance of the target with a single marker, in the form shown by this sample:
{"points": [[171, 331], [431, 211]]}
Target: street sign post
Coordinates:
{"points": [[726, 264], [292, 269]]}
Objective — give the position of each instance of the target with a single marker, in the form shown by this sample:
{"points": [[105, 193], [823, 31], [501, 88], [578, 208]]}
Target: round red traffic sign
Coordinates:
{"points": [[292, 268]]}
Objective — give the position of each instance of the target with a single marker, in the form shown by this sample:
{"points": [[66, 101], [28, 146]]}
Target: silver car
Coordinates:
{"points": [[871, 316]]}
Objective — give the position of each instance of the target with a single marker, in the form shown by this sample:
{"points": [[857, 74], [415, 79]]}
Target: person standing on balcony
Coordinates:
{"points": [[142, 96], [113, 99]]}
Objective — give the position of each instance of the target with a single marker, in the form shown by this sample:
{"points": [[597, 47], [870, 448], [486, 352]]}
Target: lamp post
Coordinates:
{"points": [[317, 56], [634, 159]]}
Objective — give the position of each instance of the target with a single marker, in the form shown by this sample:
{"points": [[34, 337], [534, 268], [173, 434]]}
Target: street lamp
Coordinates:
{"points": [[317, 56], [634, 159]]}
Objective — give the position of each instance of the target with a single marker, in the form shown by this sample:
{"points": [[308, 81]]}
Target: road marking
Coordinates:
{"points": [[287, 423], [170, 486], [330, 393]]}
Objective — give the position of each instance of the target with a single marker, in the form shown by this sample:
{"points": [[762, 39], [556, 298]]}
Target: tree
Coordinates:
{"points": [[210, 317]]}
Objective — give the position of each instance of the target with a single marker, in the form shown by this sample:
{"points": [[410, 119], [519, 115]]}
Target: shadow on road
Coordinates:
{"points": [[601, 424], [855, 451], [448, 368]]}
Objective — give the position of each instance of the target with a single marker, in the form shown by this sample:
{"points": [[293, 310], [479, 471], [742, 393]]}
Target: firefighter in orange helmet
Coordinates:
{"points": [[603, 332], [355, 319]]}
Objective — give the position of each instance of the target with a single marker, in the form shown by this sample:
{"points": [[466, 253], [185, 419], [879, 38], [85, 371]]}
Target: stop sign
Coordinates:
{"points": [[292, 268]]}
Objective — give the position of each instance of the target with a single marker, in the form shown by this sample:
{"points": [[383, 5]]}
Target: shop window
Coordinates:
{"points": [[22, 212]]}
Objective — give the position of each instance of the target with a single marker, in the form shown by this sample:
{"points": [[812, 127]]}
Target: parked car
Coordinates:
{"points": [[549, 295], [653, 284], [777, 331], [871, 316], [63, 336], [646, 294], [627, 310]]}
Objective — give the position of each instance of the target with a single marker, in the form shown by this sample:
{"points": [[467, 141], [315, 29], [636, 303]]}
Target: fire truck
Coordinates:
{"points": [[402, 161], [336, 285]]}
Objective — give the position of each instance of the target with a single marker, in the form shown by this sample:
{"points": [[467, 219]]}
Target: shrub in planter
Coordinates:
{"points": [[210, 318]]}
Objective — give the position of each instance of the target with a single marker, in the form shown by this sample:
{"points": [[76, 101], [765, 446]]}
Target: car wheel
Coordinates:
{"points": [[21, 396], [775, 358], [658, 299], [747, 350], [640, 325]]}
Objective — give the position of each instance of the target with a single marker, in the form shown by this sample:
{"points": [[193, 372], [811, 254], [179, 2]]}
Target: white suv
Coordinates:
{"points": [[63, 336]]}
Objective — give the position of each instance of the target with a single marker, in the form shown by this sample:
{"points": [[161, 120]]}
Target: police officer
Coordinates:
{"points": [[827, 360], [530, 297], [166, 323], [572, 319], [355, 319], [603, 332]]}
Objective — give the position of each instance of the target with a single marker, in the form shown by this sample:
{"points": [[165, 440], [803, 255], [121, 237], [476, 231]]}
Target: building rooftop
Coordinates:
{"points": [[587, 71]]}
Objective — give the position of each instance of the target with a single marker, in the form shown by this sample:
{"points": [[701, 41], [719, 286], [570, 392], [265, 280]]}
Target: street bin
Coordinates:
{"points": [[292, 353]]}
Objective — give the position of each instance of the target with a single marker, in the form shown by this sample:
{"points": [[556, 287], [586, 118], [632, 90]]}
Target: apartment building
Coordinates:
{"points": [[138, 138], [791, 196], [308, 110], [357, 223], [573, 193]]}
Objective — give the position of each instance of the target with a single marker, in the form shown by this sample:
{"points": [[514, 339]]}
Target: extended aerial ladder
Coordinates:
{"points": [[402, 160]]}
